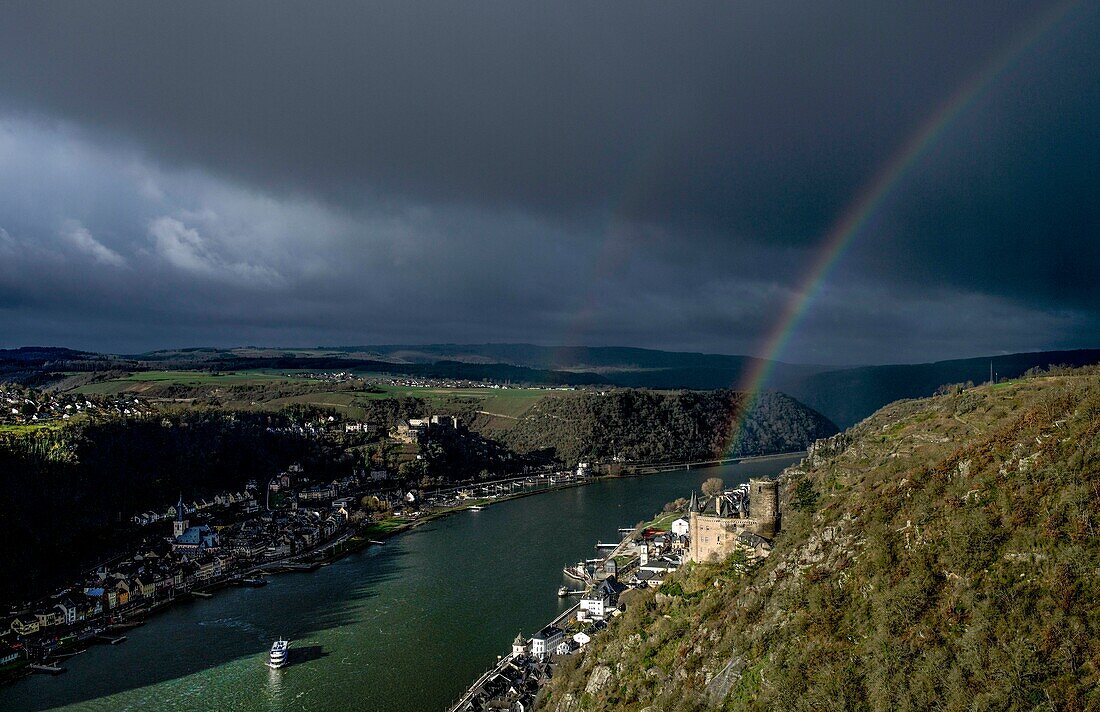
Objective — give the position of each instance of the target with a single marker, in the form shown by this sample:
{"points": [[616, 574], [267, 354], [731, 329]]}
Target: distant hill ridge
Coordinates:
{"points": [[844, 395]]}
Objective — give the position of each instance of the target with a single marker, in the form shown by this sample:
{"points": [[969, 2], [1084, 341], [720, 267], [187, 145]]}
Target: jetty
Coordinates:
{"points": [[126, 625], [576, 573], [45, 669], [296, 566], [66, 655]]}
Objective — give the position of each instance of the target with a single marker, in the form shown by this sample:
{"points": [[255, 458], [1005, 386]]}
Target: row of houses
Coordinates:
{"points": [[21, 404], [195, 555], [245, 499], [139, 581], [275, 535]]}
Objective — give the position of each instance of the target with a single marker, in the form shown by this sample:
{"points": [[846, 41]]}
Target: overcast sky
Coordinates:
{"points": [[647, 174]]}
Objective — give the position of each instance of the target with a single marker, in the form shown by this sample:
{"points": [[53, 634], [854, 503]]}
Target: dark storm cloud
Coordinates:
{"points": [[656, 174], [750, 117]]}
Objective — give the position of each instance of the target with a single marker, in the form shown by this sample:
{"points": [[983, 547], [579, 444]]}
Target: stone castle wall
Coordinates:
{"points": [[712, 536], [716, 537]]}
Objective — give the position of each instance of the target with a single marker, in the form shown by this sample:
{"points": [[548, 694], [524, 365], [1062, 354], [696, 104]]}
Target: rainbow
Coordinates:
{"points": [[866, 204]]}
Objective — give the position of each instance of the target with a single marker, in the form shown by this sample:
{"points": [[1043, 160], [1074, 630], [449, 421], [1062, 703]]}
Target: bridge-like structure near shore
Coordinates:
{"points": [[660, 466]]}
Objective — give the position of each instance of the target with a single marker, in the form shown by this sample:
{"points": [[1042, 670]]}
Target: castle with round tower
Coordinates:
{"points": [[718, 525]]}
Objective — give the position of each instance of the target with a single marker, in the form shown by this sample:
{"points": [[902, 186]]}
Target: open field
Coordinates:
{"points": [[664, 521], [503, 406], [23, 429], [142, 381]]}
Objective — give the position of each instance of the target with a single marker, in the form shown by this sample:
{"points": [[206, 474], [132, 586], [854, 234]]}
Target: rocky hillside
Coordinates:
{"points": [[942, 554]]}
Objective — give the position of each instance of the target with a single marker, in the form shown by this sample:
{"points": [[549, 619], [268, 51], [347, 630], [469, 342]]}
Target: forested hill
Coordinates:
{"points": [[66, 492], [647, 426], [941, 555]]}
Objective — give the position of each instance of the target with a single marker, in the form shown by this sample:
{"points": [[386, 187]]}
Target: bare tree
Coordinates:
{"points": [[678, 505], [712, 486]]}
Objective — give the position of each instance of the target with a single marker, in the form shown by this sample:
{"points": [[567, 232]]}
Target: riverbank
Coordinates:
{"points": [[407, 524], [369, 630], [386, 530]]}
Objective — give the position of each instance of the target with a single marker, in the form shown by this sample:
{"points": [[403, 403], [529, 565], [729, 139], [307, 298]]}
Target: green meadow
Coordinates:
{"points": [[142, 380], [501, 405]]}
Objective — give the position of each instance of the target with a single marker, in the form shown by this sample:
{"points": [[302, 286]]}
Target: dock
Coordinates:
{"points": [[126, 625], [296, 566], [112, 640], [67, 655], [574, 574]]}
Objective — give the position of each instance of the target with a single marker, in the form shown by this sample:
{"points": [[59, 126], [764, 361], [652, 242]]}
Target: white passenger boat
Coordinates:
{"points": [[280, 650]]}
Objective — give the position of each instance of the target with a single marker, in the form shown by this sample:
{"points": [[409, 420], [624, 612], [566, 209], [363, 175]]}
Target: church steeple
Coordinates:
{"points": [[694, 506], [180, 525]]}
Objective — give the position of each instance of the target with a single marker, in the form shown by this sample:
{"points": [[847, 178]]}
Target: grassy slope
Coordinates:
{"points": [[502, 404], [950, 561], [148, 381], [849, 395]]}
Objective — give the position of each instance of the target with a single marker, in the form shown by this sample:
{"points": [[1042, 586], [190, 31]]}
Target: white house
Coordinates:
{"points": [[598, 602], [680, 527], [593, 606], [545, 641], [67, 610]]}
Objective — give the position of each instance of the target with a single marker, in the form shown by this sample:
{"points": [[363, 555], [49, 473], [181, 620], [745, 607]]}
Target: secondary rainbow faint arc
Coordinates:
{"points": [[864, 207]]}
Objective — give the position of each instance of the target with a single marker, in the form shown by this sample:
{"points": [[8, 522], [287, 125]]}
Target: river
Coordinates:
{"points": [[404, 626]]}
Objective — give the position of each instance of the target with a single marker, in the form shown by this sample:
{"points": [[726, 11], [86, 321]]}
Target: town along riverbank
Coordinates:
{"points": [[407, 625], [374, 532]]}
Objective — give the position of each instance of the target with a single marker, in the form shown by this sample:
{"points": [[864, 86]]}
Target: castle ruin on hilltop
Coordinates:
{"points": [[744, 517]]}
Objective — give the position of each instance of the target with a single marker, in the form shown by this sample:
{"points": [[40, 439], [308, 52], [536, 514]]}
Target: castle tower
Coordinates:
{"points": [[693, 527], [764, 505], [180, 525]]}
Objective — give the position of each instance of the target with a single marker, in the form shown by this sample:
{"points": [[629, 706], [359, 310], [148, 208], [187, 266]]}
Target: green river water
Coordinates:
{"points": [[404, 626]]}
